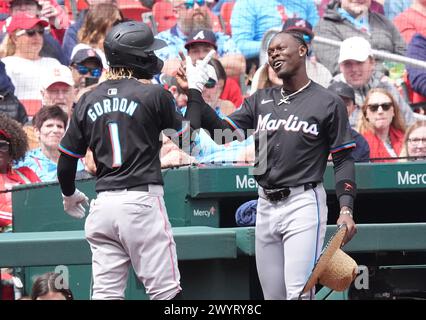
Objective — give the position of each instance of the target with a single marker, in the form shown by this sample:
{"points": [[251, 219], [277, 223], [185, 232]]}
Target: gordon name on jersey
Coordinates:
{"points": [[111, 105]]}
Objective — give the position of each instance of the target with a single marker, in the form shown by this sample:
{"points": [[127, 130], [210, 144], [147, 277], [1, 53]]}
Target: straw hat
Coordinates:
{"points": [[334, 268]]}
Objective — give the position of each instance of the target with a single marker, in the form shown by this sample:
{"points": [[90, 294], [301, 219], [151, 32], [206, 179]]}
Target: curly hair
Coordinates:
{"points": [[17, 136]]}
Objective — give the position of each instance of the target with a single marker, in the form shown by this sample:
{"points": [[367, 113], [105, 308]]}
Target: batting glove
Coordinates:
{"points": [[74, 204], [198, 75]]}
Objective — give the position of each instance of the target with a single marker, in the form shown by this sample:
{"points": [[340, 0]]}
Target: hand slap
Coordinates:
{"points": [[198, 75], [207, 58]]}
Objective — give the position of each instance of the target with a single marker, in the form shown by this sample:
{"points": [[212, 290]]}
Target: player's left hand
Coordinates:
{"points": [[198, 74], [74, 204], [351, 227]]}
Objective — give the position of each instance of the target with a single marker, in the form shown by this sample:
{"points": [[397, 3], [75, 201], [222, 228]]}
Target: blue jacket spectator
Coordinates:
{"points": [[70, 37], [395, 7], [46, 169], [218, 6], [361, 153], [417, 76], [176, 41], [190, 17], [252, 18]]}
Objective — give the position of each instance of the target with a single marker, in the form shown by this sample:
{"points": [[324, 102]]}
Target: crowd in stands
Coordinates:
{"points": [[51, 55]]}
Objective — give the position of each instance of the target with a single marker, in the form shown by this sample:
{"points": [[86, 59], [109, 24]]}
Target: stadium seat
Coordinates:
{"points": [[31, 106], [225, 14], [132, 9], [4, 7], [80, 5], [163, 15]]}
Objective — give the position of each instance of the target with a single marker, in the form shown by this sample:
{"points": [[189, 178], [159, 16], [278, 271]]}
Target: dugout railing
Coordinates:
{"points": [[216, 263], [389, 210]]}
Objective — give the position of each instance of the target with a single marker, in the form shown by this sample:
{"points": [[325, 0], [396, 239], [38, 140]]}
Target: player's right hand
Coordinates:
{"points": [[350, 225], [74, 204], [198, 75]]}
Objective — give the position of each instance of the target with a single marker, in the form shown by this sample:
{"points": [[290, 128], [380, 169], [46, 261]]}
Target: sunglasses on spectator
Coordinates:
{"points": [[30, 32], [307, 38], [375, 106], [189, 4], [417, 141], [4, 146], [210, 83], [94, 72]]}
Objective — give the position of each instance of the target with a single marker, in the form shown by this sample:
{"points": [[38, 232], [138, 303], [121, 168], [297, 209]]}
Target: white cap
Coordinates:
{"points": [[355, 48], [57, 73]]}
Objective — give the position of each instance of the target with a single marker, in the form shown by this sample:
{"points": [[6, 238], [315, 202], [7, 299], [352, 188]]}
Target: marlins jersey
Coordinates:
{"points": [[300, 134], [121, 122]]}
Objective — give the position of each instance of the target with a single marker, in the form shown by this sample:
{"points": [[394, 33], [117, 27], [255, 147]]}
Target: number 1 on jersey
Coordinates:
{"points": [[115, 143]]}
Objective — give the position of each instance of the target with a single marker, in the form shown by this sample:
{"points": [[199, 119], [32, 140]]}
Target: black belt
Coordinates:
{"points": [[275, 195], [141, 187]]}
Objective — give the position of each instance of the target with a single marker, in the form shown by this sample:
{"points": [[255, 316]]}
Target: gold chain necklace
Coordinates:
{"points": [[285, 98]]}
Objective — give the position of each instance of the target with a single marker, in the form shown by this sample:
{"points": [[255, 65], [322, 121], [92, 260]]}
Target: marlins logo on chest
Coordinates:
{"points": [[111, 105], [292, 123]]}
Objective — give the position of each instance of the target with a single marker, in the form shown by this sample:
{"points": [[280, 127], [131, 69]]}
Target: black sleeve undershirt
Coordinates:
{"points": [[67, 167], [344, 169]]}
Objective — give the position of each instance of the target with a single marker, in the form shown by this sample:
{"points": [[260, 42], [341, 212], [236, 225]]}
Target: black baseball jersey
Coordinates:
{"points": [[300, 135], [121, 121]]}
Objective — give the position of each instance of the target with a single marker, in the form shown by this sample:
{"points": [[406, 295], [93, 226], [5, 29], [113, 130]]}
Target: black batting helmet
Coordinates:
{"points": [[130, 45]]}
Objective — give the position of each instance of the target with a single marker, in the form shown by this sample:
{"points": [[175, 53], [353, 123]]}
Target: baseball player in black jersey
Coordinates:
{"points": [[303, 123], [121, 121]]}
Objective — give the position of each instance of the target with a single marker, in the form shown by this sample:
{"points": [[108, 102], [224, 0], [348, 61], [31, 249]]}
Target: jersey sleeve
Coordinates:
{"points": [[73, 143], [201, 115], [169, 115], [243, 117], [339, 133]]}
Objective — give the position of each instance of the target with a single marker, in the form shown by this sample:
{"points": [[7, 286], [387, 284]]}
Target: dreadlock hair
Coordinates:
{"points": [[298, 35], [117, 73]]}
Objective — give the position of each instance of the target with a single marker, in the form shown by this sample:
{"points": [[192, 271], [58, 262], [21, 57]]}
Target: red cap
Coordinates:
{"points": [[24, 21], [4, 134]]}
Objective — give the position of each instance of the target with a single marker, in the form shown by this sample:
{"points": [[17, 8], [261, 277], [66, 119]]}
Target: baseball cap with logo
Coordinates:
{"points": [[55, 74], [23, 21], [85, 54], [343, 90], [355, 48], [298, 24], [202, 36]]}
